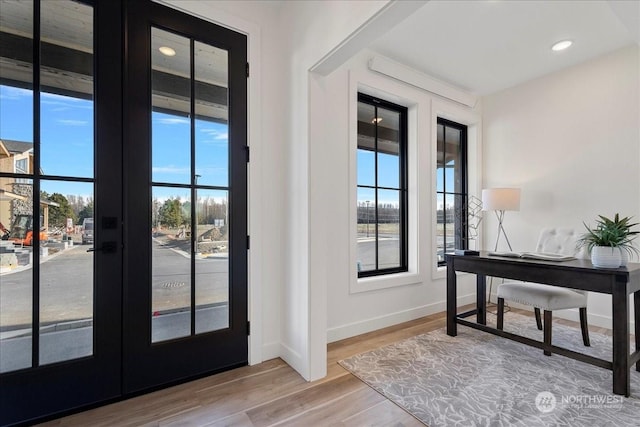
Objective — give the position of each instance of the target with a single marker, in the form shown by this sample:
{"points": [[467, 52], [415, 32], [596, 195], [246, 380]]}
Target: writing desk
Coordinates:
{"points": [[575, 274]]}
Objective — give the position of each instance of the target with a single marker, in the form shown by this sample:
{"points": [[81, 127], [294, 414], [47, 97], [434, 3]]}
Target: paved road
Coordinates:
{"points": [[171, 279], [64, 344], [66, 288], [67, 303], [388, 254]]}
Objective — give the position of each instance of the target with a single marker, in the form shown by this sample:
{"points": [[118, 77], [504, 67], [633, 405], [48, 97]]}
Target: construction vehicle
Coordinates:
{"points": [[21, 231], [4, 232]]}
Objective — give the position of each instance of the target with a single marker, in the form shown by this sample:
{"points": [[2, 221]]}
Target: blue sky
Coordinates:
{"points": [[388, 177], [67, 148], [67, 143]]}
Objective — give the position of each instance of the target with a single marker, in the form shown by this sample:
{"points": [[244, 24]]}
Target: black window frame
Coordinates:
{"points": [[403, 143], [461, 198]]}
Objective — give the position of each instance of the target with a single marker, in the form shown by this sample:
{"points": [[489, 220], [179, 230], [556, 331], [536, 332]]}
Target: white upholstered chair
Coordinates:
{"points": [[546, 297]]}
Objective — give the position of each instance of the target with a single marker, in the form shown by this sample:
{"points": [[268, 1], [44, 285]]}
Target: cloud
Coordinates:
{"points": [[70, 122], [215, 136], [64, 102], [171, 169], [207, 170], [15, 93], [54, 97], [171, 120]]}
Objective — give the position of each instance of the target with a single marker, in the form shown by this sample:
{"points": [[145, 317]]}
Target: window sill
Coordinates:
{"points": [[367, 284]]}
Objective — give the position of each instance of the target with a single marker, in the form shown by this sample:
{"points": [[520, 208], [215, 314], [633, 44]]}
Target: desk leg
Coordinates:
{"points": [[636, 311], [452, 306], [481, 298], [620, 307]]}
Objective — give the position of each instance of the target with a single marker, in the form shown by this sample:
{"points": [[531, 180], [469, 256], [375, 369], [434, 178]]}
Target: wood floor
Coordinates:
{"points": [[272, 393]]}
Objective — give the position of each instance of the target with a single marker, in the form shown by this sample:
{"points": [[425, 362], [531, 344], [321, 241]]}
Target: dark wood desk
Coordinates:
{"points": [[575, 274]]}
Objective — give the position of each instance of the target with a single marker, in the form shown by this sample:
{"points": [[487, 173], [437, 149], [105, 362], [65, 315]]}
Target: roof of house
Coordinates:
{"points": [[16, 147]]}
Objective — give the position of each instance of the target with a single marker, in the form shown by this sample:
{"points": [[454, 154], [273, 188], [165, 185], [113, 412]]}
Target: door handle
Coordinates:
{"points": [[107, 248]]}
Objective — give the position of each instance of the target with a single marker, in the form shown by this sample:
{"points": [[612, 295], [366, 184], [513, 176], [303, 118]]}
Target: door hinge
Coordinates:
{"points": [[248, 150], [247, 70], [248, 242], [248, 327]]}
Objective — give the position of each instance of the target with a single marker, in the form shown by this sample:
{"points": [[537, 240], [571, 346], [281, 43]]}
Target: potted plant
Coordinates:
{"points": [[610, 242]]}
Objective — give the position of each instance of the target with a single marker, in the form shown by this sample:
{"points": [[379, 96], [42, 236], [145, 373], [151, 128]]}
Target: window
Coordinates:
{"points": [[451, 188], [381, 187], [22, 166]]}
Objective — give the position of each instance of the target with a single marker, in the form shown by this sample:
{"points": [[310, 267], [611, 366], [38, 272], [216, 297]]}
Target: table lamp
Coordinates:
{"points": [[500, 200]]}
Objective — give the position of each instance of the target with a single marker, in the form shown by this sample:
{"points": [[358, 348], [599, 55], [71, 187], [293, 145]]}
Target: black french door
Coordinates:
{"points": [[60, 180], [135, 166], [186, 198]]}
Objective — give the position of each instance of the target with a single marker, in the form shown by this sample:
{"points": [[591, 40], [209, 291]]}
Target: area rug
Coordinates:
{"points": [[479, 379]]}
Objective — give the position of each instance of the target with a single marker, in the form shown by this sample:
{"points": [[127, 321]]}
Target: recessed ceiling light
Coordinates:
{"points": [[166, 50], [376, 120], [561, 45]]}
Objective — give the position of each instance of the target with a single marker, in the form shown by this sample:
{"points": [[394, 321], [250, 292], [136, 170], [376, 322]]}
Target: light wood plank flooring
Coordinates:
{"points": [[273, 394]]}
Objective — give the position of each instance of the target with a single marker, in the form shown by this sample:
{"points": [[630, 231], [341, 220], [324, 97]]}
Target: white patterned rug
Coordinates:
{"points": [[479, 379]]}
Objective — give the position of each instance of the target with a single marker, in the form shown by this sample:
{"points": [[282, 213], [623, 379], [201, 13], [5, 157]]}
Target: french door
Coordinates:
{"points": [[123, 264], [60, 302], [185, 149]]}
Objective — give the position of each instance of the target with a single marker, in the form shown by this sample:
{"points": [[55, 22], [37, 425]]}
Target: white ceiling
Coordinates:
{"points": [[485, 46]]}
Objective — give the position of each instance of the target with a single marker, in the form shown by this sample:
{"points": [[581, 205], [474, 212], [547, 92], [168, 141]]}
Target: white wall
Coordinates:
{"points": [[547, 136], [571, 142], [284, 43], [353, 306], [259, 20]]}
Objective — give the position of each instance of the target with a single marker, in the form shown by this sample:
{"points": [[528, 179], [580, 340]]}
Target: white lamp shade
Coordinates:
{"points": [[501, 199]]}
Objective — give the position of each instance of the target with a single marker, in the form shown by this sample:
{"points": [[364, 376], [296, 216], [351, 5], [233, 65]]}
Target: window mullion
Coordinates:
{"points": [[375, 210]]}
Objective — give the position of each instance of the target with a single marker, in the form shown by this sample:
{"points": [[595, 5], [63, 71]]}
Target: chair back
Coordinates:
{"points": [[560, 240]]}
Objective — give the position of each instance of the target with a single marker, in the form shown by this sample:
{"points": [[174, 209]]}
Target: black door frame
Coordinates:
{"points": [[124, 362], [147, 365], [44, 391]]}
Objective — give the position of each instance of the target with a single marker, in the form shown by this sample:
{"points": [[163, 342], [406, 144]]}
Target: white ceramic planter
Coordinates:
{"points": [[605, 257], [624, 257]]}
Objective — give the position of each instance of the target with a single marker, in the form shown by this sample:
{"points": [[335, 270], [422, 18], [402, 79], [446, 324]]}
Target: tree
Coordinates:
{"points": [[58, 214], [170, 213], [86, 211]]}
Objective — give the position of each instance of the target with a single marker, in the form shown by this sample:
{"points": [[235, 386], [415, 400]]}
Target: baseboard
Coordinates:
{"points": [[294, 359], [368, 325], [271, 350]]}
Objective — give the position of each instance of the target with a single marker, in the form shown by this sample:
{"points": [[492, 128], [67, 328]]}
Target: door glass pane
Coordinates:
{"points": [[66, 149], [212, 261], [171, 104], [388, 229], [171, 263], [16, 276], [177, 252], [66, 78], [66, 270], [16, 157], [66, 144], [172, 249], [211, 106]]}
